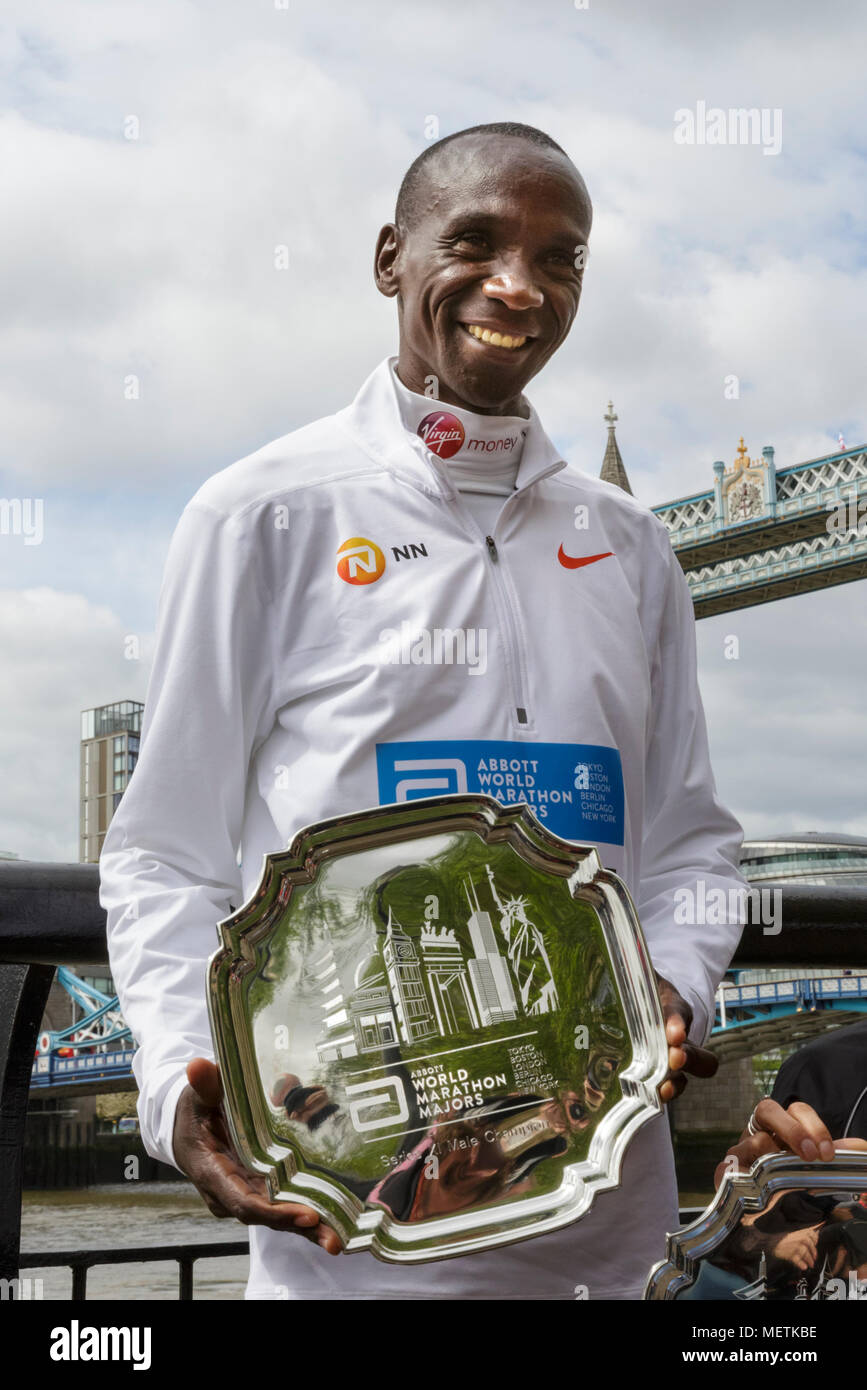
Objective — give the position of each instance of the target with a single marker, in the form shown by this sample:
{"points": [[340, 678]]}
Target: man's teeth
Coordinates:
{"points": [[485, 335]]}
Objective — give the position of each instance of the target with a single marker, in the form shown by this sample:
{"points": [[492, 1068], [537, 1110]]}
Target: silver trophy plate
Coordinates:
{"points": [[437, 1025], [786, 1231]]}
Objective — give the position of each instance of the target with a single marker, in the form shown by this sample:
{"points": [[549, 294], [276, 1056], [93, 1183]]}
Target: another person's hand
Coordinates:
{"points": [[798, 1248], [204, 1150], [797, 1130], [684, 1058]]}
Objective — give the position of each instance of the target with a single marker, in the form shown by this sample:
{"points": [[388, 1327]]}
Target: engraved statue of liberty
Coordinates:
{"points": [[525, 948]]}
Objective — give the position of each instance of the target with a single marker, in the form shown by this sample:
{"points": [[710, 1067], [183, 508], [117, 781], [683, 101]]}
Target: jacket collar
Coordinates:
{"points": [[374, 421]]}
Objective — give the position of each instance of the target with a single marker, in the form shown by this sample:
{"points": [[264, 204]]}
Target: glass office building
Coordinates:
{"points": [[810, 856]]}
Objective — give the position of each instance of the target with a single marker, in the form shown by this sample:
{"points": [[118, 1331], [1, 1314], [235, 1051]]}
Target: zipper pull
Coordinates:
{"points": [[492, 549]]}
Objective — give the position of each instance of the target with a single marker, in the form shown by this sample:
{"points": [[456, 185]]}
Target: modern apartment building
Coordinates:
{"points": [[109, 752]]}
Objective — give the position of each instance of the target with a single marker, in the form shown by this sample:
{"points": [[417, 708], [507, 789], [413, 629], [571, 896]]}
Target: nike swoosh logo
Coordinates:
{"points": [[574, 562]]}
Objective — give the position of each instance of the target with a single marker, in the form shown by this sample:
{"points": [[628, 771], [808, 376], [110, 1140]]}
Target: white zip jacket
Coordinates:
{"points": [[335, 632]]}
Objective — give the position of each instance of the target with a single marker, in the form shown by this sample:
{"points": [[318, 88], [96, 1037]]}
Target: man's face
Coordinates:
{"points": [[494, 251]]}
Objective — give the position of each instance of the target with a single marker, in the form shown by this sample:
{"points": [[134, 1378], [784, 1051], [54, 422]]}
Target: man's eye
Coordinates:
{"points": [[473, 239]]}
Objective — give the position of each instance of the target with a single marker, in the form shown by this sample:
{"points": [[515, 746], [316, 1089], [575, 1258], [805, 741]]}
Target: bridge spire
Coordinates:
{"points": [[612, 464]]}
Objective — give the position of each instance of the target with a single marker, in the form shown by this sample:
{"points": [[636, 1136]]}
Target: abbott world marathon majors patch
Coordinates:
{"points": [[575, 789]]}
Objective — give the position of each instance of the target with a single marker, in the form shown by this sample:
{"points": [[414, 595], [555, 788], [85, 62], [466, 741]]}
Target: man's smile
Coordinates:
{"points": [[496, 337]]}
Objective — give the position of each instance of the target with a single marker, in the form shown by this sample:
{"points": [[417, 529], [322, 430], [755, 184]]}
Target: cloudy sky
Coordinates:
{"points": [[153, 156]]}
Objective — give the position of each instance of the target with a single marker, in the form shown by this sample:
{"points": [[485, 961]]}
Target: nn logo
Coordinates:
{"points": [[360, 561]]}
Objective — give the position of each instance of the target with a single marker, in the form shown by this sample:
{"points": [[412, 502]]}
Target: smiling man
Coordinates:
{"points": [[486, 256], [326, 601]]}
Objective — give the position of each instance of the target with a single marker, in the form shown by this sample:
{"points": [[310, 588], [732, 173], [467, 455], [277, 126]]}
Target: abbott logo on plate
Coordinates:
{"points": [[437, 1025]]}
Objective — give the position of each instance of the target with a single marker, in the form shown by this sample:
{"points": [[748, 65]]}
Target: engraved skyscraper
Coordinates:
{"points": [[489, 970]]}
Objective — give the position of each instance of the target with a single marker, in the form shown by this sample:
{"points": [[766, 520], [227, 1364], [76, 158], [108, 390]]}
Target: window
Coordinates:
{"points": [[100, 982]]}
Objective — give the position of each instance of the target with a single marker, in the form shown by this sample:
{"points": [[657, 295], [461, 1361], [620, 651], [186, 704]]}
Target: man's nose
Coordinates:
{"points": [[516, 290]]}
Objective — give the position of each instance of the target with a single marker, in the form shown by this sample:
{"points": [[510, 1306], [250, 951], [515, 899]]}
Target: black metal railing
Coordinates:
{"points": [[50, 915], [81, 1261]]}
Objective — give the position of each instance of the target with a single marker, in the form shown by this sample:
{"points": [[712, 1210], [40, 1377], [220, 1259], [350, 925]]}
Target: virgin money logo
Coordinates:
{"points": [[442, 433]]}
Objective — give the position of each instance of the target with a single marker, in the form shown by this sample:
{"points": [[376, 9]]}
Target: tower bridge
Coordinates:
{"points": [[92, 1054], [760, 533], [771, 1011]]}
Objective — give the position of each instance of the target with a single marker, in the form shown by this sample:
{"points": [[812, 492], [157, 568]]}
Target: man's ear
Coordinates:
{"points": [[385, 261]]}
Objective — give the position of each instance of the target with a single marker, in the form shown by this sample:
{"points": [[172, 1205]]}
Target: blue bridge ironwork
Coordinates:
{"points": [[98, 1046], [760, 534]]}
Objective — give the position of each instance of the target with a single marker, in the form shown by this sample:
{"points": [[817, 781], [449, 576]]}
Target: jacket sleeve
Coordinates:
{"points": [[169, 863], [691, 843]]}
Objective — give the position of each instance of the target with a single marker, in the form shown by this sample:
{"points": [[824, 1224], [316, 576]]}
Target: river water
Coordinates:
{"points": [[141, 1213], [124, 1214]]}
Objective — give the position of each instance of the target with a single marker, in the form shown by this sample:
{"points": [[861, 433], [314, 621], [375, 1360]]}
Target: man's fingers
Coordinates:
{"points": [[816, 1129], [746, 1153], [233, 1191], [756, 1146], [329, 1240], [204, 1077], [688, 1060], [805, 1250], [676, 1012], [672, 1087], [675, 1030], [205, 1153], [700, 1061], [798, 1129]]}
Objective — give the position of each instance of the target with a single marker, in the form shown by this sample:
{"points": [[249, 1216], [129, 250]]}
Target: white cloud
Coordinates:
{"points": [[61, 654], [786, 718], [261, 126]]}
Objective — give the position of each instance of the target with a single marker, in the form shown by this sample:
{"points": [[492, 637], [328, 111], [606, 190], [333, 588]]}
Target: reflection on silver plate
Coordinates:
{"points": [[787, 1231], [438, 1025]]}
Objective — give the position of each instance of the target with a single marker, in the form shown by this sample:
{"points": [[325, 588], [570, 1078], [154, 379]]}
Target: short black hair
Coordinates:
{"points": [[409, 194]]}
